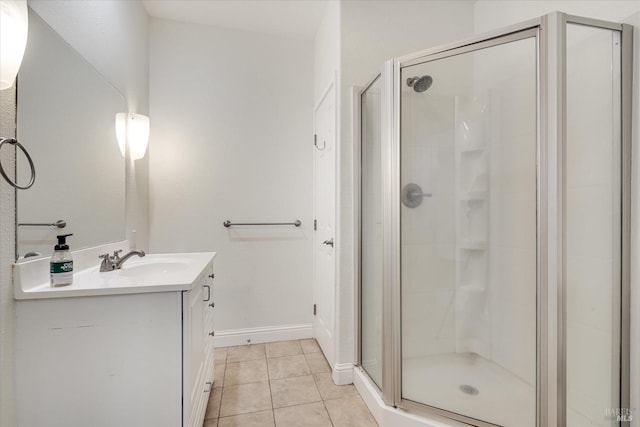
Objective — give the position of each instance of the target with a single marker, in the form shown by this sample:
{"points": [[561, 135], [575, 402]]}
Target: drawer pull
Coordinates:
{"points": [[212, 304], [210, 384], [211, 276], [208, 293], [212, 333]]}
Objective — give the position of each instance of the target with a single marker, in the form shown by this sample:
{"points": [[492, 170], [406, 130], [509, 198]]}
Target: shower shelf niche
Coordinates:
{"points": [[472, 141]]}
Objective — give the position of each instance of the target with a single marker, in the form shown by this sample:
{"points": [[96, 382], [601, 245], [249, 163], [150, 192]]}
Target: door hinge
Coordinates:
{"points": [[314, 309], [315, 224]]}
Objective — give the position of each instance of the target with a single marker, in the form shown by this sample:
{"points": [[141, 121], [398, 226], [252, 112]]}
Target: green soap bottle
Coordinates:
{"points": [[61, 266]]}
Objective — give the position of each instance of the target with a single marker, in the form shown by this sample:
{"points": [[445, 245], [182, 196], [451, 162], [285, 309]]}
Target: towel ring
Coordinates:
{"points": [[33, 168]]}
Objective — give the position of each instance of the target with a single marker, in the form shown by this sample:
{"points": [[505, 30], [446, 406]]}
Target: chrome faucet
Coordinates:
{"points": [[114, 262]]}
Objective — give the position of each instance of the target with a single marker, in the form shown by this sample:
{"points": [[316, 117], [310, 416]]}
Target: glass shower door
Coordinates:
{"points": [[468, 231], [371, 233]]}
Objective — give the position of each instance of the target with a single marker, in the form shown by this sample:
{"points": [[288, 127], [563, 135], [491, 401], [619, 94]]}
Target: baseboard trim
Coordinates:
{"points": [[342, 373], [234, 337]]}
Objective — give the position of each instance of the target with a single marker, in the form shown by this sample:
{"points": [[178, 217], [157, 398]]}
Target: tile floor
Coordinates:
{"points": [[283, 384]]}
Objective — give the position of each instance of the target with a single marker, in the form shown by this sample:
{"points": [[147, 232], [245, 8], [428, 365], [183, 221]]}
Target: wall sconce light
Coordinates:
{"points": [[14, 20], [134, 130]]}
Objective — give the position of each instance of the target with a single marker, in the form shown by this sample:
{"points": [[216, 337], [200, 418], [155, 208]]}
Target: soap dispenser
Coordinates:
{"points": [[61, 263]]}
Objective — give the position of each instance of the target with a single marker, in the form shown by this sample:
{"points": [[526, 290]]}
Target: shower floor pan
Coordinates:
{"points": [[470, 385]]}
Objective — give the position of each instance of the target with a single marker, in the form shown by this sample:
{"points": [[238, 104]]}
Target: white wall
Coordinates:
{"points": [[494, 14], [231, 138], [113, 37], [372, 32]]}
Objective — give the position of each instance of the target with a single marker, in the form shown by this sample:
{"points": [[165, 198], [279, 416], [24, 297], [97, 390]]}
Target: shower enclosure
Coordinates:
{"points": [[494, 226]]}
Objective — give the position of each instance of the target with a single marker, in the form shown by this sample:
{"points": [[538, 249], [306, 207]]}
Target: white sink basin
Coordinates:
{"points": [[148, 266], [151, 273]]}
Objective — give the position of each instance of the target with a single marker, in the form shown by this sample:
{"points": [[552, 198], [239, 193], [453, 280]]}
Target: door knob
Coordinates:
{"points": [[328, 242]]}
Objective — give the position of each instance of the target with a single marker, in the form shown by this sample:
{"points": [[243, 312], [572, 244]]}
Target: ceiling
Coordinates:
{"points": [[291, 18]]}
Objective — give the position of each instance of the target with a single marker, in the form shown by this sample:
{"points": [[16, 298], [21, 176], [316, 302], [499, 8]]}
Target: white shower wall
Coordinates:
{"points": [[512, 207], [231, 138], [428, 244]]}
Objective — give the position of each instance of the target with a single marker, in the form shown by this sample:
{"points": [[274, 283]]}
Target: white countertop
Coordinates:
{"points": [[152, 273]]}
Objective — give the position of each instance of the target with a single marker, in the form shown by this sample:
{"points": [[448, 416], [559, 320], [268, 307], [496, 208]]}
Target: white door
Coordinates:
{"points": [[324, 213]]}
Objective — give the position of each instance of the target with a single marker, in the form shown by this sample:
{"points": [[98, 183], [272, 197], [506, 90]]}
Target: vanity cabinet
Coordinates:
{"points": [[198, 335], [131, 359]]}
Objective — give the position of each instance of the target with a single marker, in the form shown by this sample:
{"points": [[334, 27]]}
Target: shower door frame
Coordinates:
{"points": [[386, 390], [549, 32], [526, 30], [357, 94]]}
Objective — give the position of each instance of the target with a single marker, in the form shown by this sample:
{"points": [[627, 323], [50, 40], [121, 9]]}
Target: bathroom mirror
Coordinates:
{"points": [[66, 120]]}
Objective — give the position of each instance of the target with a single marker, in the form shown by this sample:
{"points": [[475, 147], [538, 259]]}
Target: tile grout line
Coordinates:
{"points": [[323, 358], [286, 355], [221, 391], [242, 413], [294, 376], [298, 404], [226, 354], [342, 397], [273, 411], [269, 378], [328, 414]]}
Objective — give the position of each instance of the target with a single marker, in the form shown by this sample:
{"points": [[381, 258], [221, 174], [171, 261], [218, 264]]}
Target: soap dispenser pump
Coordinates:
{"points": [[61, 263]]}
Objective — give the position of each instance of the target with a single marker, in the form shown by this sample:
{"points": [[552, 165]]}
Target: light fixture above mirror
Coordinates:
{"points": [[134, 130], [13, 39]]}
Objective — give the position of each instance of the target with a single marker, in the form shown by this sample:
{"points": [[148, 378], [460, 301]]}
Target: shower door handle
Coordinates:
{"points": [[328, 242]]}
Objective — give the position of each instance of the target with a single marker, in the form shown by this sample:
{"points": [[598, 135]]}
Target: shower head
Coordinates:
{"points": [[420, 84]]}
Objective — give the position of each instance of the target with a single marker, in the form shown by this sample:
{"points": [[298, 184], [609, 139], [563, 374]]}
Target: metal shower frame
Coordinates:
{"points": [[549, 32]]}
